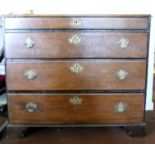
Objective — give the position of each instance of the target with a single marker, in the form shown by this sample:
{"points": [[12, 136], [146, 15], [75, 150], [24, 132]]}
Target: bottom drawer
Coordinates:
{"points": [[76, 108]]}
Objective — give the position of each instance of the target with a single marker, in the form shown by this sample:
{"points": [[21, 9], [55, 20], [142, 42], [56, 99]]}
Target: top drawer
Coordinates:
{"points": [[36, 22]]}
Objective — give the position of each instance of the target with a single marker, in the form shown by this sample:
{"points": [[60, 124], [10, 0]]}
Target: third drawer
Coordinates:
{"points": [[76, 75]]}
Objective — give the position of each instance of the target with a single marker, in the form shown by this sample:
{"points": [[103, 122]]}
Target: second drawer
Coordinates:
{"points": [[76, 75]]}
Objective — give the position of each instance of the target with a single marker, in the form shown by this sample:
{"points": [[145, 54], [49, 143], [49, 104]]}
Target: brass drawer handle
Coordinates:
{"points": [[120, 107], [75, 100], [122, 74], [29, 43], [31, 107], [123, 43], [75, 39], [30, 74], [76, 68], [75, 22]]}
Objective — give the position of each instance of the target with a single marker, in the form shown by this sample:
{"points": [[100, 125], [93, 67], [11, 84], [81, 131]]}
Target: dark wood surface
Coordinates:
{"points": [[86, 23], [93, 44], [94, 109], [96, 75]]}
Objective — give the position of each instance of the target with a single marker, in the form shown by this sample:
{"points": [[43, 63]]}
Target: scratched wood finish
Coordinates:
{"points": [[94, 109], [93, 44], [85, 23], [96, 75]]}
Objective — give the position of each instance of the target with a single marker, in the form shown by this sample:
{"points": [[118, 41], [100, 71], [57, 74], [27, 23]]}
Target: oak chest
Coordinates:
{"points": [[77, 71]]}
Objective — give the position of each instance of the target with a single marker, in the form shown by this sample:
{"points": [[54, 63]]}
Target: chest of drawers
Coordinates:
{"points": [[77, 71]]}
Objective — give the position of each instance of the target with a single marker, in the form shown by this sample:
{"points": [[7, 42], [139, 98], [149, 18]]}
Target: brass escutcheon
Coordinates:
{"points": [[123, 43], [75, 39], [120, 107], [29, 43], [75, 100], [76, 22], [122, 74], [30, 74], [31, 107], [76, 68]]}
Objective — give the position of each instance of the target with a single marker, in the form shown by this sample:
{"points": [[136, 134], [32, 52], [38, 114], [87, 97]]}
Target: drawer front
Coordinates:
{"points": [[76, 108], [76, 23], [76, 75], [76, 44]]}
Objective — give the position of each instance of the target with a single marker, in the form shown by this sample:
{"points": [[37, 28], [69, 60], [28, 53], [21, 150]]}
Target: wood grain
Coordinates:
{"points": [[96, 75], [93, 44], [95, 108], [86, 23]]}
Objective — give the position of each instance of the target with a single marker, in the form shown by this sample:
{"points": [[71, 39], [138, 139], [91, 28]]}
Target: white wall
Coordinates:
{"points": [[89, 7], [78, 6]]}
